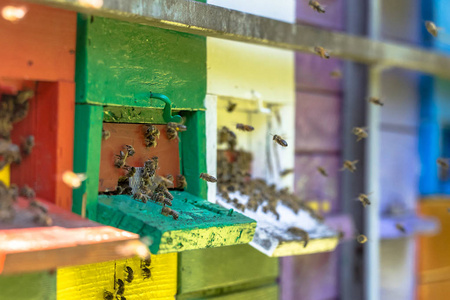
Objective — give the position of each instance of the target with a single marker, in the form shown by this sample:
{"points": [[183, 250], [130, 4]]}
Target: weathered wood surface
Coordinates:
{"points": [[270, 292], [89, 281], [403, 21], [334, 17], [41, 46], [139, 60], [133, 134], [208, 272], [201, 224], [34, 286], [27, 247]]}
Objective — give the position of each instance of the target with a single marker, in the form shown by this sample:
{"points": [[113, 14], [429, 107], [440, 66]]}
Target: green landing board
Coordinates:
{"points": [[201, 224], [33, 286], [120, 63]]}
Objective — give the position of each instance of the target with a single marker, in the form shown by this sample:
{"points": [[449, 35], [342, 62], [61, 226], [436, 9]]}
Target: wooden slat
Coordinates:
{"points": [[201, 224], [263, 293], [41, 46], [34, 286], [89, 281]]}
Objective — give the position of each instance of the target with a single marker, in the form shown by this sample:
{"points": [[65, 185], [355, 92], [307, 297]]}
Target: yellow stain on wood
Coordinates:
{"points": [[314, 246], [90, 281], [4, 175]]}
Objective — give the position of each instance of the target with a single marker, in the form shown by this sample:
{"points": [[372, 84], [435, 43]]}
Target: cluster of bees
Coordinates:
{"points": [[119, 284]]}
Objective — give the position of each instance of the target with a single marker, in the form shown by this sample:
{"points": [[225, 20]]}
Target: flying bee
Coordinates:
{"points": [[208, 177], [349, 165], [72, 179], [120, 159], [231, 106], [166, 211], [361, 239], [364, 199], [173, 129], [315, 5], [105, 134], [120, 287], [244, 127], [280, 141], [401, 228], [177, 127], [107, 295], [432, 28], [361, 133], [146, 273], [181, 182], [28, 145], [130, 150], [443, 163], [336, 74], [28, 192], [300, 232], [376, 101], [322, 171], [322, 52], [129, 274], [141, 197]]}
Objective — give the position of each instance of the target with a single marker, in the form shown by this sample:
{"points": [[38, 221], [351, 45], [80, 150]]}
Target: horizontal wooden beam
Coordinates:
{"points": [[209, 20]]}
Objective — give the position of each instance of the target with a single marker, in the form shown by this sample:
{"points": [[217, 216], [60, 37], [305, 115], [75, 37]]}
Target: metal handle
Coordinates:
{"points": [[167, 114]]}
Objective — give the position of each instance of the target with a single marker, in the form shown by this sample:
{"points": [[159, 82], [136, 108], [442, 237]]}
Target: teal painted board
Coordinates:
{"points": [[120, 63], [88, 135], [33, 286], [201, 224]]}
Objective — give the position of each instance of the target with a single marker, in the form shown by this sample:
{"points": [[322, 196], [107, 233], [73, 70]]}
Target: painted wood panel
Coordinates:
{"points": [[401, 20], [41, 46], [270, 292], [89, 281], [333, 17], [312, 73], [138, 60], [317, 123], [34, 286]]}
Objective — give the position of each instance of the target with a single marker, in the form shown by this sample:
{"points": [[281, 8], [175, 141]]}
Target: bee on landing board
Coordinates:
{"points": [[107, 295], [315, 5], [322, 171], [131, 171], [130, 150], [280, 141], [244, 127], [181, 182], [141, 197], [322, 52], [349, 165], [376, 101], [129, 274], [166, 211], [120, 287], [106, 134], [120, 159], [300, 232], [208, 177], [151, 134], [360, 132]]}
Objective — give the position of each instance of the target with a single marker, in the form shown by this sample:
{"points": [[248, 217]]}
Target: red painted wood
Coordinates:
{"points": [[50, 120], [333, 17], [41, 46], [132, 134], [312, 73], [317, 125]]}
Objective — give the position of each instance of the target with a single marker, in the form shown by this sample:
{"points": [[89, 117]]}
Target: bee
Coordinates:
{"points": [[322, 52], [286, 172], [231, 106], [107, 295], [443, 163], [13, 192], [400, 227], [376, 101], [341, 235], [336, 74], [280, 141], [171, 133], [122, 298], [208, 177], [130, 150], [361, 239], [315, 5], [131, 171], [349, 165], [161, 188], [364, 199], [300, 232], [43, 218], [146, 273], [120, 159], [28, 145], [105, 134], [28, 192], [23, 96], [72, 179], [129, 274], [431, 28], [120, 287], [243, 127], [322, 171], [166, 211], [181, 182], [146, 262], [151, 133], [360, 133], [141, 197]]}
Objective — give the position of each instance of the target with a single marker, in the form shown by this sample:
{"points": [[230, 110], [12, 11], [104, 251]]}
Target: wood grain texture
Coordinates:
{"points": [[133, 134], [34, 286], [139, 59], [334, 17], [317, 126], [89, 281], [201, 224], [41, 46], [236, 267], [269, 292], [51, 121]]}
